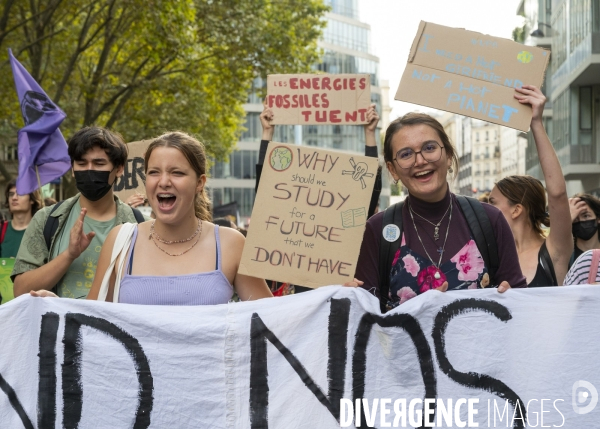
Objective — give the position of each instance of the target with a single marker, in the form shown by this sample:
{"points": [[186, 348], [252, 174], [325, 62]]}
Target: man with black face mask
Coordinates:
{"points": [[585, 215], [68, 265]]}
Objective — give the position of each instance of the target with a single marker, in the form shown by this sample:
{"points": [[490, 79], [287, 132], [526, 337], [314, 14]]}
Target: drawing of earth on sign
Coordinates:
{"points": [[281, 158]]}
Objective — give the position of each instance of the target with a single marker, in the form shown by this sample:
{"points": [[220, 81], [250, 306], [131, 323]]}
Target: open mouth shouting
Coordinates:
{"points": [[166, 201]]}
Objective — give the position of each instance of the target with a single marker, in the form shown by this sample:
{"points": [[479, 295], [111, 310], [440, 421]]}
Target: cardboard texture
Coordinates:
{"points": [[309, 216], [6, 284], [133, 179], [471, 74], [299, 99]]}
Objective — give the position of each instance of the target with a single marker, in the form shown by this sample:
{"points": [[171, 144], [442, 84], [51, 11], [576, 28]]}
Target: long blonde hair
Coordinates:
{"points": [[195, 154]]}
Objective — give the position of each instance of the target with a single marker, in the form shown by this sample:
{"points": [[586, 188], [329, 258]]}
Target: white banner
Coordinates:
{"points": [[299, 361]]}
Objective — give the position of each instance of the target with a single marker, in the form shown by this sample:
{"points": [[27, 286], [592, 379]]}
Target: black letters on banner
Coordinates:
{"points": [[473, 379], [47, 371], [336, 364], [412, 328], [71, 376]]}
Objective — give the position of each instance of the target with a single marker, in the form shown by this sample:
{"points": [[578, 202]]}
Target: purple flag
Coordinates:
{"points": [[41, 143]]}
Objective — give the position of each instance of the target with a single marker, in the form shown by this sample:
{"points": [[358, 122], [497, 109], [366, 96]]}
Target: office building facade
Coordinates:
{"points": [[346, 49]]}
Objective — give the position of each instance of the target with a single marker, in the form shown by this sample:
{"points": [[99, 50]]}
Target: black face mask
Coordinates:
{"points": [[585, 229], [93, 184]]}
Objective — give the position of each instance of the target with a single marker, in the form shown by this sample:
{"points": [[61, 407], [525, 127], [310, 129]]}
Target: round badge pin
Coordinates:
{"points": [[391, 233]]}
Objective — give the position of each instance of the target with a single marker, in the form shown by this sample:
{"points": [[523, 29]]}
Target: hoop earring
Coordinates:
{"points": [[450, 170]]}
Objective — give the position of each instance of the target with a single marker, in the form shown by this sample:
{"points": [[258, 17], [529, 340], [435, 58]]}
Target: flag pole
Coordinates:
{"points": [[37, 173]]}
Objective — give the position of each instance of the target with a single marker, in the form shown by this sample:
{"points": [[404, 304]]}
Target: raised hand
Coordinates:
{"points": [[79, 240], [576, 205], [372, 118], [532, 95], [265, 120]]}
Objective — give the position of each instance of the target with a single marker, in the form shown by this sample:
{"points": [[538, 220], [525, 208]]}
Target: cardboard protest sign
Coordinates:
{"points": [[309, 216], [6, 284], [471, 74], [299, 99], [133, 179]]}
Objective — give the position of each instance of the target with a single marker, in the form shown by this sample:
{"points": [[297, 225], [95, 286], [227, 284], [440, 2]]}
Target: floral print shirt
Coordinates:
{"points": [[413, 274]]}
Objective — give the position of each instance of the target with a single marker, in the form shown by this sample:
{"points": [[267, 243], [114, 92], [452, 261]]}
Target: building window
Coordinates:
{"points": [[487, 137], [585, 108]]}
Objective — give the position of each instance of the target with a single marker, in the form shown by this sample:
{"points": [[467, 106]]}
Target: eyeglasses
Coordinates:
{"points": [[430, 151]]}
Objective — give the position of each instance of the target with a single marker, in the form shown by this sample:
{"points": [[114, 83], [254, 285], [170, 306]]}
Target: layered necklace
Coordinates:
{"points": [[436, 226], [437, 274], [156, 238]]}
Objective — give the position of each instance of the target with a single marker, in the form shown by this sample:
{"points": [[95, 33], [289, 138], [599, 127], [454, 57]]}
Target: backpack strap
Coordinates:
{"points": [[3, 233], [387, 251], [51, 226], [594, 266], [139, 217], [547, 265], [483, 233]]}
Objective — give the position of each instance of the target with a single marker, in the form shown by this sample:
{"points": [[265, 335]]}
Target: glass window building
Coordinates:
{"points": [[346, 49]]}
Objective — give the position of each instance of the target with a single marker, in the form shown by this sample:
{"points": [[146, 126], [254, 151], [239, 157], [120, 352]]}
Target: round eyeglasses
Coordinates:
{"points": [[431, 151]]}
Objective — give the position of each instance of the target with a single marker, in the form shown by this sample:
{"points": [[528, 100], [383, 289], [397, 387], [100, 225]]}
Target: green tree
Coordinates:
{"points": [[142, 67]]}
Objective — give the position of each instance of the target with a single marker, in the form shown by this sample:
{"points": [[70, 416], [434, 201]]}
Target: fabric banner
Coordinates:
{"points": [[301, 361]]}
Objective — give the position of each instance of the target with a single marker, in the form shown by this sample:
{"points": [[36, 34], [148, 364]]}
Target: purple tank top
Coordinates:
{"points": [[188, 289]]}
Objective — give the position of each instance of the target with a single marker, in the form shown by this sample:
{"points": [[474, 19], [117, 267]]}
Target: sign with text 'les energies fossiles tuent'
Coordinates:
{"points": [[471, 74], [298, 99], [309, 216]]}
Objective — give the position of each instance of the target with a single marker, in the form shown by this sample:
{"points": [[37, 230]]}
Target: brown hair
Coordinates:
{"points": [[195, 154], [110, 141], [35, 196], [592, 201], [411, 119], [530, 193]]}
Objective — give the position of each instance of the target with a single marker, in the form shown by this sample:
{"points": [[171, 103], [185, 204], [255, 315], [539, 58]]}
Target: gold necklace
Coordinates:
{"points": [[185, 240], [153, 234]]}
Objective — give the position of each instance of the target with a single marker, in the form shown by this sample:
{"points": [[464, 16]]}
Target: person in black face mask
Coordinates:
{"points": [[585, 215], [67, 263]]}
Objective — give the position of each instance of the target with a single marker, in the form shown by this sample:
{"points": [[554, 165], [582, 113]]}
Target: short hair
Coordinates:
{"points": [[415, 118], [111, 142], [592, 201], [34, 196]]}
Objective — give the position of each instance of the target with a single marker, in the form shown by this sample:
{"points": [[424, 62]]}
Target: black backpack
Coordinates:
{"points": [[52, 224], [479, 224]]}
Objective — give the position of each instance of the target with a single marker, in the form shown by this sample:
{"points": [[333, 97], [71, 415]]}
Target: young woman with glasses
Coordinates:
{"points": [[437, 250]]}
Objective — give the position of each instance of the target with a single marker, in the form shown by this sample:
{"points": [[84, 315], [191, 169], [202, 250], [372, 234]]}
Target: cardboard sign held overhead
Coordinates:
{"points": [[133, 179], [309, 216], [471, 74], [299, 99]]}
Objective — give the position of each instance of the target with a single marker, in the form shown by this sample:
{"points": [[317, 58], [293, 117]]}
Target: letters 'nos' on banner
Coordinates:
{"points": [[309, 216], [471, 74], [133, 179], [299, 99]]}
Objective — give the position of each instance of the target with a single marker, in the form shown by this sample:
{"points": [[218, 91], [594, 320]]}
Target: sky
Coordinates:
{"points": [[394, 25]]}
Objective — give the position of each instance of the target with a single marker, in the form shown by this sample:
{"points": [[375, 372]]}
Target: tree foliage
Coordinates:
{"points": [[142, 67]]}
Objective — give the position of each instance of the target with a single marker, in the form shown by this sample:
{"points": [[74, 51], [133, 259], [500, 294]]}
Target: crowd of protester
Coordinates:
{"points": [[521, 234]]}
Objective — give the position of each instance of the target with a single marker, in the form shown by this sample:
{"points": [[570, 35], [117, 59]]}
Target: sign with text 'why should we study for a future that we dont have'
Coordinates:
{"points": [[309, 216], [471, 74]]}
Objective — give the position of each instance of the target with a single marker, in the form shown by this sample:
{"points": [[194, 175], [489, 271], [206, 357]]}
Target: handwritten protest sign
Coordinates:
{"points": [[133, 179], [309, 216], [298, 99], [6, 284], [471, 74]]}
